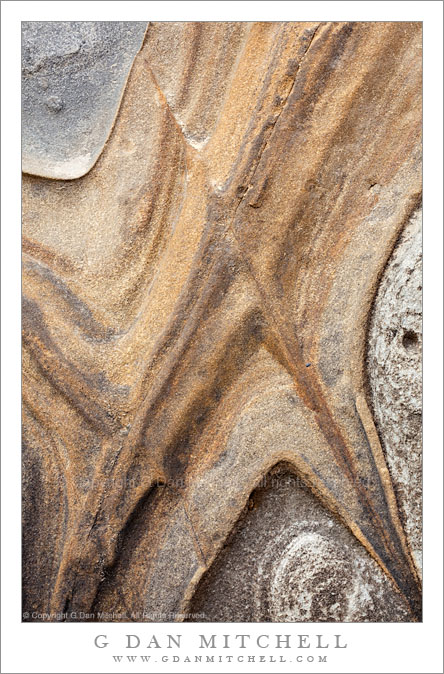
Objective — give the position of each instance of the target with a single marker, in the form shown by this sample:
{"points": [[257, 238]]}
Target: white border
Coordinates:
{"points": [[372, 648]]}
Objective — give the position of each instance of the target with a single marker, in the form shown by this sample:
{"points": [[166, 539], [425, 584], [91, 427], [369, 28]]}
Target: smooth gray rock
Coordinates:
{"points": [[73, 78]]}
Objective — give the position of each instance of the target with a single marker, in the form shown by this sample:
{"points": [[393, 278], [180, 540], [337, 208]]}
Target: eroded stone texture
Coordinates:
{"points": [[395, 374], [289, 560], [196, 310]]}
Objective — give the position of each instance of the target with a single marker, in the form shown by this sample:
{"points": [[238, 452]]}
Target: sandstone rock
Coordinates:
{"points": [[196, 311], [289, 560]]}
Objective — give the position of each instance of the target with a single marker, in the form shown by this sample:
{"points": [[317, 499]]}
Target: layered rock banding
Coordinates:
{"points": [[196, 313]]}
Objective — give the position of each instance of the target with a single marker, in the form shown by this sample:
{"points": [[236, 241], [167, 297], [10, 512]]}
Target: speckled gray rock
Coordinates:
{"points": [[289, 560], [394, 368], [73, 77]]}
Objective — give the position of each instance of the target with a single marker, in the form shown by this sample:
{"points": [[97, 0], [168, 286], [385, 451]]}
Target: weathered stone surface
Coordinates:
{"points": [[196, 311], [289, 560], [73, 75], [394, 368]]}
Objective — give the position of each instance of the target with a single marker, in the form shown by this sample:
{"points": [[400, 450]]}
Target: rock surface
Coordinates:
{"points": [[73, 74], [394, 368], [196, 310], [289, 560]]}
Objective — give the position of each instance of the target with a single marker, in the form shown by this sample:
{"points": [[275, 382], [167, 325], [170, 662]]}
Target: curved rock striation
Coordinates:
{"points": [[196, 310], [289, 560]]}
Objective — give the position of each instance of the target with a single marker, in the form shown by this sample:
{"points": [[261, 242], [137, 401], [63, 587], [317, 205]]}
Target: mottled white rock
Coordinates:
{"points": [[394, 369]]}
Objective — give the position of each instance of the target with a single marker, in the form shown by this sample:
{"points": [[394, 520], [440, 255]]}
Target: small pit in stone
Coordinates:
{"points": [[410, 341]]}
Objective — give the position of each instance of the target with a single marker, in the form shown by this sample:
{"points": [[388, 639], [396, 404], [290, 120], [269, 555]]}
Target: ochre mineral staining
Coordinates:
{"points": [[196, 312]]}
